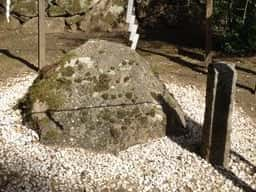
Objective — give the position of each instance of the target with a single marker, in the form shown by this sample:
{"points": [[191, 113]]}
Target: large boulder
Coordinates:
{"points": [[56, 11], [73, 7], [52, 25], [86, 15], [28, 8], [11, 25], [105, 15], [73, 22], [101, 96]]}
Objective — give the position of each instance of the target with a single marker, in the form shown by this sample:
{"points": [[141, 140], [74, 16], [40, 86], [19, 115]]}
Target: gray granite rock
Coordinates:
{"points": [[53, 25], [12, 25], [28, 8], [73, 7], [106, 15], [102, 96]]}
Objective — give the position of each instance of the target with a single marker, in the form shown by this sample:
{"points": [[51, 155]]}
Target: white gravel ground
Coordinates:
{"points": [[160, 165]]}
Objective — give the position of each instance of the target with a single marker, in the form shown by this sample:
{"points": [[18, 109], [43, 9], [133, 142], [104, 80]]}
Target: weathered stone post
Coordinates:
{"points": [[220, 95]]}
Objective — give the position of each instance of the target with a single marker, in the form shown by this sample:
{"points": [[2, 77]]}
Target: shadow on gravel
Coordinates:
{"points": [[246, 70], [23, 61], [236, 180], [199, 67], [251, 90], [175, 58], [245, 161], [191, 141]]}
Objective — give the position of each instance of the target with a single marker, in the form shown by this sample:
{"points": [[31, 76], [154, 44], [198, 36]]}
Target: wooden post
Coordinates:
{"points": [[41, 34], [208, 32], [255, 89], [220, 95]]}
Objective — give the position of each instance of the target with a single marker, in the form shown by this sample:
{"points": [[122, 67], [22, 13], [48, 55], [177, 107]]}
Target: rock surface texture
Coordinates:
{"points": [[108, 15], [101, 96], [85, 15], [12, 25], [52, 24]]}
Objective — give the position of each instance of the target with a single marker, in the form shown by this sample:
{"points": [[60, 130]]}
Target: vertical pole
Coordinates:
{"points": [[255, 88], [41, 34], [208, 32], [220, 95]]}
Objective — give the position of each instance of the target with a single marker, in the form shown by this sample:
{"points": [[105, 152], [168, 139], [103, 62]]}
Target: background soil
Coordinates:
{"points": [[170, 62]]}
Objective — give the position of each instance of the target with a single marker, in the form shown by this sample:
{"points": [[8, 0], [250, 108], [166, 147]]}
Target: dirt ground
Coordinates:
{"points": [[18, 54]]}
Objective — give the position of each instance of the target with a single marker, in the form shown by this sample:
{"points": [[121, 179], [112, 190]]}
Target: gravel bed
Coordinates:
{"points": [[243, 143], [160, 165]]}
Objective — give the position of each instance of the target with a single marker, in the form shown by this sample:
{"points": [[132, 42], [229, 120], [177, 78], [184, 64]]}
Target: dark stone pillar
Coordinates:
{"points": [[220, 96]]}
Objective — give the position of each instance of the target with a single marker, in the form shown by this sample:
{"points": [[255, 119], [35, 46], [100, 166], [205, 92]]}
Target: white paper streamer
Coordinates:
{"points": [[131, 19], [133, 28], [135, 41], [129, 10], [8, 5], [133, 31]]}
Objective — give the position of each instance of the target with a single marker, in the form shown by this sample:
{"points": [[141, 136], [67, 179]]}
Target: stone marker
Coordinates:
{"points": [[220, 95]]}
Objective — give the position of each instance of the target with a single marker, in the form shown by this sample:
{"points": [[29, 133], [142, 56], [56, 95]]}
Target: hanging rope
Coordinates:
{"points": [[7, 13]]}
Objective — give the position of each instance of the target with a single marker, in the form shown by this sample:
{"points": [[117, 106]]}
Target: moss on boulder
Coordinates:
{"points": [[110, 108]]}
